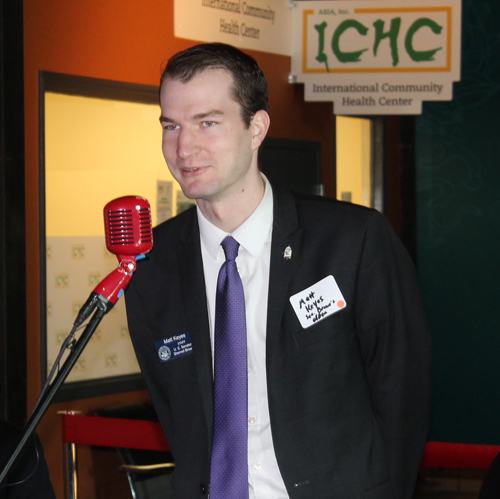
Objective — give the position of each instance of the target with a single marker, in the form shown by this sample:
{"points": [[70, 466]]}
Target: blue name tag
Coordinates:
{"points": [[174, 346]]}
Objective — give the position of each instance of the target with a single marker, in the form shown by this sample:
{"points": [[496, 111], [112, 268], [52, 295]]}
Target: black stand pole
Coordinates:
{"points": [[44, 402]]}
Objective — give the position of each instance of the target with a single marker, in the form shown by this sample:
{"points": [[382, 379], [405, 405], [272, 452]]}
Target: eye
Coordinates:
{"points": [[208, 123], [170, 126]]}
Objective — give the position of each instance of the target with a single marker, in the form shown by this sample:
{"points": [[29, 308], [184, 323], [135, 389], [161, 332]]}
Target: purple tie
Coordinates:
{"points": [[229, 470]]}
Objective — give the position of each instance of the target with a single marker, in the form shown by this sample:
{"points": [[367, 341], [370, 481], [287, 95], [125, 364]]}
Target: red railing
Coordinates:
{"points": [[113, 432], [133, 434]]}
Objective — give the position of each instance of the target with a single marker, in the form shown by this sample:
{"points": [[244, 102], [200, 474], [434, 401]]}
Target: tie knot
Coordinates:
{"points": [[230, 247]]}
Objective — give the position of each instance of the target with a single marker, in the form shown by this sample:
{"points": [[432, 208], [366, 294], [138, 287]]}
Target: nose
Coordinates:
{"points": [[187, 143]]}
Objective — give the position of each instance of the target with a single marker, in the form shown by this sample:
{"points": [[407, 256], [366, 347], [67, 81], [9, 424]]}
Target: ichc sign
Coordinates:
{"points": [[376, 56]]}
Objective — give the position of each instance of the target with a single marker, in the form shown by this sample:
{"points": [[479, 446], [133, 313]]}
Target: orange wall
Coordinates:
{"points": [[126, 41]]}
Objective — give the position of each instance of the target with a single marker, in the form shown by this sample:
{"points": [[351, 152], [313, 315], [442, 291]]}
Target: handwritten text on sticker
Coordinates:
{"points": [[318, 301]]}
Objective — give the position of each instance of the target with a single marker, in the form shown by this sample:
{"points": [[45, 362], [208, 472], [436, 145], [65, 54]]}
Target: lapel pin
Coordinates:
{"points": [[287, 255]]}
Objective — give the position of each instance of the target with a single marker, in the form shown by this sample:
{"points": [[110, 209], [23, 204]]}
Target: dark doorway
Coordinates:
{"points": [[12, 212]]}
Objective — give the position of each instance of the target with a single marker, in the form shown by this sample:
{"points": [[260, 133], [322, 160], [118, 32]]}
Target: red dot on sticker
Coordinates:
{"points": [[341, 304]]}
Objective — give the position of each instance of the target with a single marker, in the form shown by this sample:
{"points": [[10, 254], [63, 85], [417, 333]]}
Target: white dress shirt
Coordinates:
{"points": [[254, 237]]}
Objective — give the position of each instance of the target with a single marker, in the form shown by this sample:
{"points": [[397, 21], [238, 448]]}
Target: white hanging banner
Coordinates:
{"points": [[262, 25], [376, 56]]}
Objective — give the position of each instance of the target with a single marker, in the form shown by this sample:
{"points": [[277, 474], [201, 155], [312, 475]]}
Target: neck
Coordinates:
{"points": [[230, 212]]}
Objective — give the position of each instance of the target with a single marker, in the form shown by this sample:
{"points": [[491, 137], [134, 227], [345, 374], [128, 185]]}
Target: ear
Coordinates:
{"points": [[259, 126]]}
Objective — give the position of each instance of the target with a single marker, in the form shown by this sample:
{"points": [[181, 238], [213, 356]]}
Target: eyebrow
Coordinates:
{"points": [[199, 116], [208, 114], [165, 119]]}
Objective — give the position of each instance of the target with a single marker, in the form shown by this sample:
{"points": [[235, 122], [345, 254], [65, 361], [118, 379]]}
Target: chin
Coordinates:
{"points": [[189, 193], [193, 193], [198, 191]]}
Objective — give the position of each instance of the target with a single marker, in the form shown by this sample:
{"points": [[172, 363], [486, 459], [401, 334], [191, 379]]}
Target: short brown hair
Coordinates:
{"points": [[249, 83]]}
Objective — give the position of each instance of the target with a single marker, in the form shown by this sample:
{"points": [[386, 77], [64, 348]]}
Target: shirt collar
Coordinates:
{"points": [[252, 234]]}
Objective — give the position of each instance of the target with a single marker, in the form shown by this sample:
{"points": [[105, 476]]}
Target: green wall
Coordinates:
{"points": [[458, 199]]}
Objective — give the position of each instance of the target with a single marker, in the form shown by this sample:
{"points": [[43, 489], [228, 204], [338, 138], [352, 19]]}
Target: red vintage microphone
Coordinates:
{"points": [[129, 236]]}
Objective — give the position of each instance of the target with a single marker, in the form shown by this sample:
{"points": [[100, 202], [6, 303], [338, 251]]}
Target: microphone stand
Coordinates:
{"points": [[128, 230], [76, 348]]}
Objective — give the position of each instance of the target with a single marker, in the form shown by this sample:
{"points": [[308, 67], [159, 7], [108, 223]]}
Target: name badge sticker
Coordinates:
{"points": [[174, 346], [318, 301]]}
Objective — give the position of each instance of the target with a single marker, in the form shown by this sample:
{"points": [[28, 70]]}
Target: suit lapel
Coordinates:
{"points": [[286, 233], [195, 302]]}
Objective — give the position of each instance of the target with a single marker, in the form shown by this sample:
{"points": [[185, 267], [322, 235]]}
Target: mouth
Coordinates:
{"points": [[192, 170]]}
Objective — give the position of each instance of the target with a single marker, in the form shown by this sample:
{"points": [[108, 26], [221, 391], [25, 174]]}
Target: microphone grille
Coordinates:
{"points": [[129, 230]]}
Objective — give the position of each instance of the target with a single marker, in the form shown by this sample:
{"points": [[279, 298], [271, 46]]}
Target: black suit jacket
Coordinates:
{"points": [[348, 397]]}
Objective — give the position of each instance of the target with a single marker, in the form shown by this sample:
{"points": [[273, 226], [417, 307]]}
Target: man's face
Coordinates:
{"points": [[206, 146]]}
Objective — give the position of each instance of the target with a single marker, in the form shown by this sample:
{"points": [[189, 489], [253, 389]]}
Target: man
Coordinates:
{"points": [[337, 350]]}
